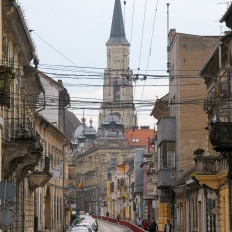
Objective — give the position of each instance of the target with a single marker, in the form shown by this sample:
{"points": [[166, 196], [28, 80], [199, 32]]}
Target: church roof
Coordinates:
{"points": [[91, 130], [71, 123], [80, 131], [117, 34]]}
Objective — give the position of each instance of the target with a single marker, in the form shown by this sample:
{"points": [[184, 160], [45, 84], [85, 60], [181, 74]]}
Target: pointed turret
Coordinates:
{"points": [[117, 100], [117, 34]]}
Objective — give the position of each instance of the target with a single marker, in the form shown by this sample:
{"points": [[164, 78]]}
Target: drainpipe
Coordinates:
{"points": [[44, 102], [189, 213], [65, 143], [206, 208], [229, 158], [220, 53], [23, 224]]}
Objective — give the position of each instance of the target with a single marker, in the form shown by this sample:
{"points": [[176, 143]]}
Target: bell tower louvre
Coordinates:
{"points": [[117, 87]]}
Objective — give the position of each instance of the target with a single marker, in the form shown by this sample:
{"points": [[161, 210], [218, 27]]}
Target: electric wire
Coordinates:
{"points": [[132, 25], [149, 55]]}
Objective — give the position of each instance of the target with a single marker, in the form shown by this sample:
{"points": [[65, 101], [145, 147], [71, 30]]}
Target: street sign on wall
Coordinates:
{"points": [[155, 204]]}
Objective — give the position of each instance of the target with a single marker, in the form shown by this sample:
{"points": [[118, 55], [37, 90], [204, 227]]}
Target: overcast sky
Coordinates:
{"points": [[73, 33]]}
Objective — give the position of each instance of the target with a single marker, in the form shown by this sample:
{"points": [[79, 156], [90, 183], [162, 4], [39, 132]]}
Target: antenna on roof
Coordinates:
{"points": [[220, 52], [168, 44], [228, 3], [221, 29]]}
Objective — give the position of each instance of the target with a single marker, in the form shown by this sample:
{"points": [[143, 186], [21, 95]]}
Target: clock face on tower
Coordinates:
{"points": [[116, 60]]}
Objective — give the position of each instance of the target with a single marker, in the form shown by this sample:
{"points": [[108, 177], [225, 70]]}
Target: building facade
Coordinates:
{"points": [[21, 147], [98, 158], [31, 145], [214, 171], [177, 136]]}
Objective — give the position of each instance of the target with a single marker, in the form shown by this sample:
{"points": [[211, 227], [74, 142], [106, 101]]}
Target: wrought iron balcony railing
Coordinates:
{"points": [[6, 77], [220, 136], [18, 129]]}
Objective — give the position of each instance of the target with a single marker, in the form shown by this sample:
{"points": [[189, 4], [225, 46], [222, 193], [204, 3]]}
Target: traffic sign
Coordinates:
{"points": [[7, 216], [7, 190]]}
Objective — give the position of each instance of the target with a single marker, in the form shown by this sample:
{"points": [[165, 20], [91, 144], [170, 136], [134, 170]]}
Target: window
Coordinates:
{"points": [[172, 106], [167, 155], [113, 160], [109, 176], [116, 92], [58, 208], [159, 158], [112, 187], [170, 159], [172, 72], [55, 207]]}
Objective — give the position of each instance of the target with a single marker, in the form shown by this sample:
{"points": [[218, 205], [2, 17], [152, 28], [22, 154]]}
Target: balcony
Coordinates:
{"points": [[211, 170], [6, 77], [21, 146], [220, 136], [40, 176], [166, 129], [166, 178]]}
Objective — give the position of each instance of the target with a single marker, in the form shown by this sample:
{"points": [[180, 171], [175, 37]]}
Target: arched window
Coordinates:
{"points": [[116, 91]]}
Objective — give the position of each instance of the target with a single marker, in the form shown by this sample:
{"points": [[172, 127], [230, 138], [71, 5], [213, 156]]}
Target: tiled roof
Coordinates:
{"points": [[138, 137], [226, 15]]}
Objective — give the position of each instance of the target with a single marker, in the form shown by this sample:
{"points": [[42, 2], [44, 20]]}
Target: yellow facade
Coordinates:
{"points": [[93, 168], [224, 209], [50, 198], [163, 215], [19, 153]]}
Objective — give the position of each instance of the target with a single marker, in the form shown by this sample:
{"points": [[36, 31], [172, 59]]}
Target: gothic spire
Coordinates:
{"points": [[117, 34]]}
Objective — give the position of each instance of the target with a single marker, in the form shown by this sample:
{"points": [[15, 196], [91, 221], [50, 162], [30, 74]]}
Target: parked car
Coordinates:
{"points": [[85, 224], [92, 222], [80, 228]]}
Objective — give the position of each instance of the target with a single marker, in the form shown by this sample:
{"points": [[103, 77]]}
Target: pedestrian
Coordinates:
{"points": [[46, 229], [139, 222], [107, 214], [153, 226], [145, 224], [118, 216], [168, 227]]}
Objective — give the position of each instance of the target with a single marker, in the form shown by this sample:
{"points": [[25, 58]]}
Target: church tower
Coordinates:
{"points": [[117, 88]]}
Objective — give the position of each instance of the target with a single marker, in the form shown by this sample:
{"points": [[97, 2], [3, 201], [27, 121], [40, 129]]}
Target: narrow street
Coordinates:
{"points": [[105, 227]]}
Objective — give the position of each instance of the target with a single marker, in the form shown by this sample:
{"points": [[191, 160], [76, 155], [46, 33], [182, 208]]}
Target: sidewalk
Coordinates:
{"points": [[124, 223], [116, 224]]}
